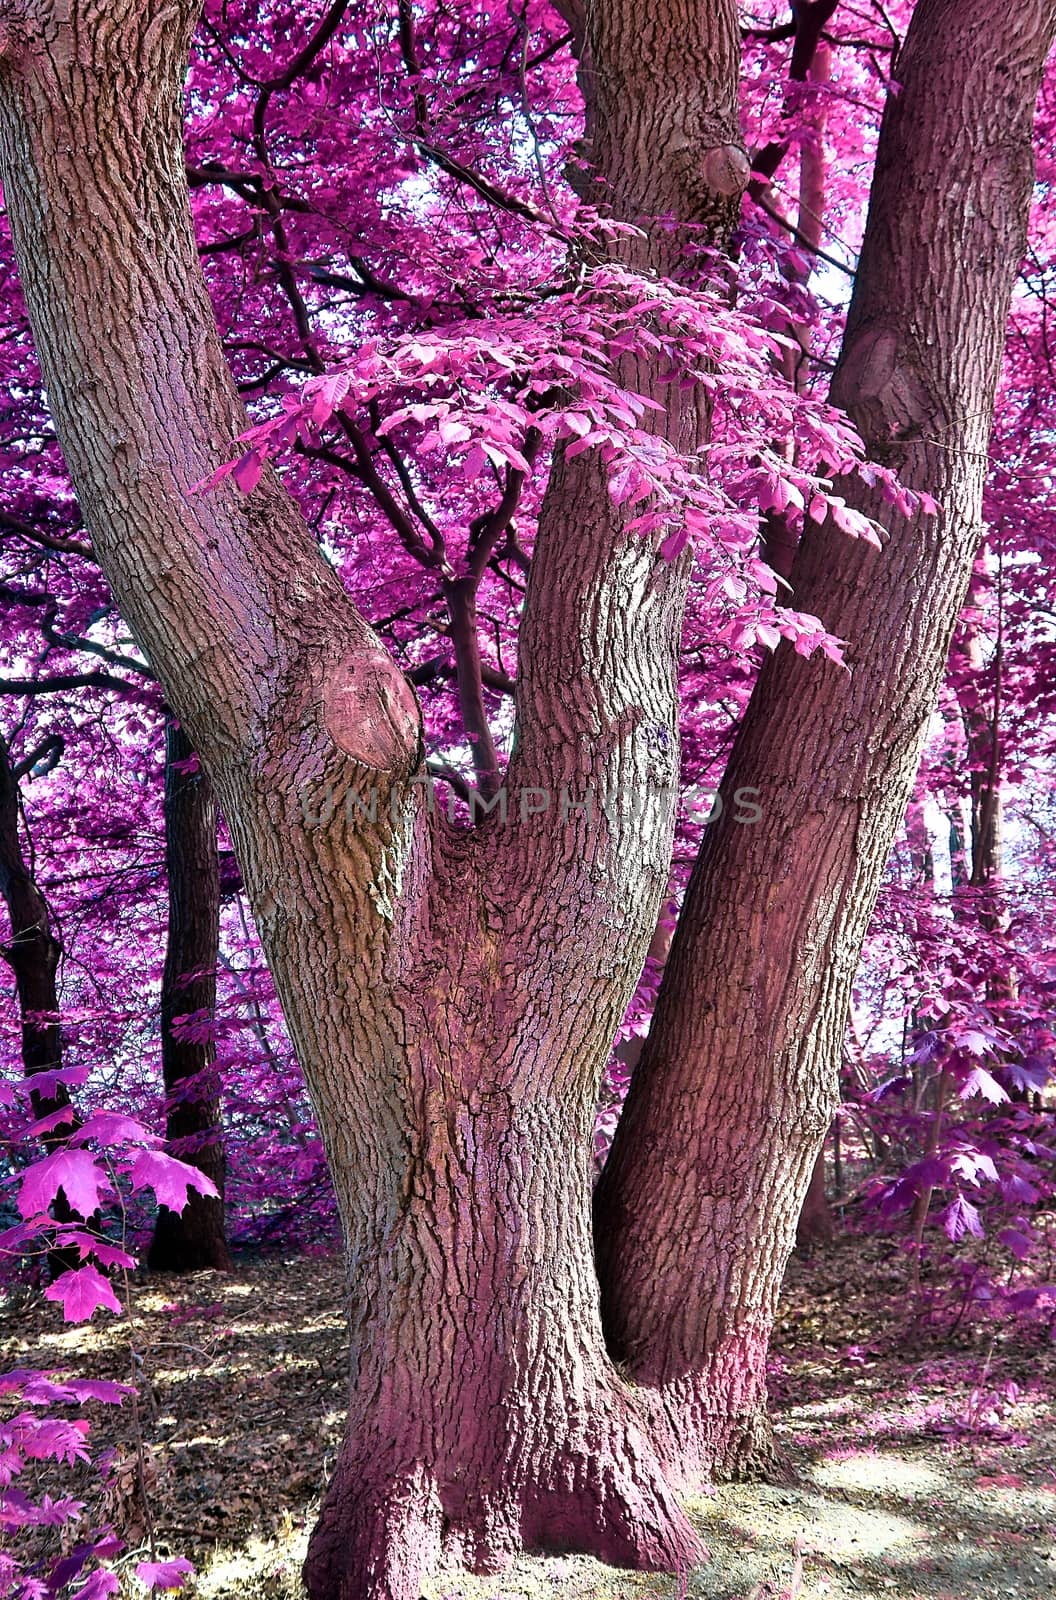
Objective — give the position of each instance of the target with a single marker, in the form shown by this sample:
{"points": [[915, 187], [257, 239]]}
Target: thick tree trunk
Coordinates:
{"points": [[485, 1414], [697, 1206], [192, 1239], [451, 996]]}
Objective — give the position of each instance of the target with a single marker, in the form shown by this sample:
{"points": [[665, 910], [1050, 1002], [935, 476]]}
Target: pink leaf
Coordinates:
{"points": [[164, 1574], [45, 1083], [99, 1584], [111, 1127], [474, 463], [170, 1179], [90, 1244], [959, 1218], [974, 1041], [63, 1117], [246, 471], [111, 1394], [52, 1438], [773, 494], [82, 1293], [979, 1081], [453, 432], [73, 1171], [675, 543], [1020, 1243]]}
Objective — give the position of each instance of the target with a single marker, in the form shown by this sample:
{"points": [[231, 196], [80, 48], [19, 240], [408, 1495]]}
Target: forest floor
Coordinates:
{"points": [[922, 1466]]}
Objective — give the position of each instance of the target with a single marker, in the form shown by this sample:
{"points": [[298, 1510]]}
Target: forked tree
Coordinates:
{"points": [[452, 994]]}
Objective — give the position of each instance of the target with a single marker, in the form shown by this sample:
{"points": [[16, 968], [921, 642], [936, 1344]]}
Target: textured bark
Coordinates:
{"points": [[451, 996], [192, 1239], [485, 1411], [738, 1081]]}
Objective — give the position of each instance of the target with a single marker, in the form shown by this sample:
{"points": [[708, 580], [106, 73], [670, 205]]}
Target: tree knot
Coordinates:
{"points": [[371, 712], [726, 170]]}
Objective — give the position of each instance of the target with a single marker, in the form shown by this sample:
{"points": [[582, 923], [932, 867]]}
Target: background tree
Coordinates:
{"points": [[194, 1237], [32, 951]]}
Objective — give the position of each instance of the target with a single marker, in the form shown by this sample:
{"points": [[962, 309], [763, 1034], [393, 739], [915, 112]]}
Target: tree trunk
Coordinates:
{"points": [[982, 729], [485, 1415], [816, 1223], [451, 995], [33, 953], [697, 1206], [192, 1239]]}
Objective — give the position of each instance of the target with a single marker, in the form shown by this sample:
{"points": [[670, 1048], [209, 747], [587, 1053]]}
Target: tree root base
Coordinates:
{"points": [[379, 1542]]}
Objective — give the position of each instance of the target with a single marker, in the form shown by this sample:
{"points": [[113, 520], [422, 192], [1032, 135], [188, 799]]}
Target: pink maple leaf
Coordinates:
{"points": [[164, 1574], [979, 1081], [111, 1127], [100, 1389], [73, 1171], [959, 1218], [82, 1293], [99, 1584], [170, 1179]]}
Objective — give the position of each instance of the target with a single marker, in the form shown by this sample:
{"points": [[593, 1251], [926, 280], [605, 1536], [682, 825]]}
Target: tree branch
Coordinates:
{"points": [[51, 749], [228, 593], [51, 541], [61, 681]]}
